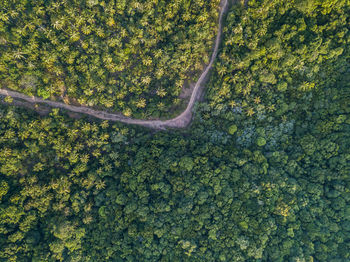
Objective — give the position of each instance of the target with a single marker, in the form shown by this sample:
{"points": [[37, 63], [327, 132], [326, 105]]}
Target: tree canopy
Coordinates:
{"points": [[130, 56], [262, 174]]}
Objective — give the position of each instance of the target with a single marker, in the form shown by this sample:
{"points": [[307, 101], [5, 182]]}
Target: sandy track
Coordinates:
{"points": [[181, 121]]}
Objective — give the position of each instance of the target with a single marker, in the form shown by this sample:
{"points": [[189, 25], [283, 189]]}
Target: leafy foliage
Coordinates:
{"points": [[271, 185], [273, 49], [130, 56]]}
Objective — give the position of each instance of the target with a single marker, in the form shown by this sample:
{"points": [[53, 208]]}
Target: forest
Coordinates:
{"points": [[262, 173], [131, 56]]}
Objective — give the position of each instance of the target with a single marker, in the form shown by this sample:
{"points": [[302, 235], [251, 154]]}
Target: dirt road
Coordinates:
{"points": [[180, 121]]}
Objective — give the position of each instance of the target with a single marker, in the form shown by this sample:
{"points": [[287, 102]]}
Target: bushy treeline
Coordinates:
{"points": [[131, 56]]}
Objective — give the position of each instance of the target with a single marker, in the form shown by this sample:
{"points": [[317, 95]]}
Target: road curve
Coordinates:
{"points": [[181, 121]]}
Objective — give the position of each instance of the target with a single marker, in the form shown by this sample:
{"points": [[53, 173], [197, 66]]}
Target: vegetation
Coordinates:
{"points": [[260, 175], [78, 191], [274, 49], [130, 56]]}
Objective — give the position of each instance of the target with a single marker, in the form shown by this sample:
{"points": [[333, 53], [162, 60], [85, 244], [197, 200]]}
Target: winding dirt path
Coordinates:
{"points": [[181, 121]]}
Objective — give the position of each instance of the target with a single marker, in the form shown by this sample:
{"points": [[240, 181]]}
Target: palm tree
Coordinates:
{"points": [[271, 108], [18, 54], [257, 100], [161, 106], [221, 69], [100, 32], [147, 61], [161, 92], [58, 25], [75, 36], [127, 112], [250, 111], [4, 17], [146, 80], [141, 103], [86, 29], [39, 10]]}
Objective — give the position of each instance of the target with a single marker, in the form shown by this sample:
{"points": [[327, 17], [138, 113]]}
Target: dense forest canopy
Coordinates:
{"points": [[74, 190], [275, 49], [132, 56], [262, 174]]}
